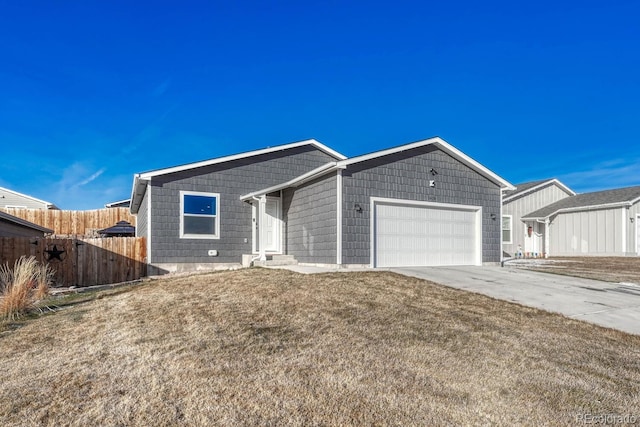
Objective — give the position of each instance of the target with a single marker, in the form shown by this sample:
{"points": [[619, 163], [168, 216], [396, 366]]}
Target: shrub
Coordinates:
{"points": [[22, 287]]}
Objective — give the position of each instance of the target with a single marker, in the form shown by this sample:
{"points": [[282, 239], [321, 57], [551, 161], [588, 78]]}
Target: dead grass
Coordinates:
{"points": [[264, 347], [608, 269]]}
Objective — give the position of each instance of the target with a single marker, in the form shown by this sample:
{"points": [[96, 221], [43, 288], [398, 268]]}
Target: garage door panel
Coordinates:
{"points": [[408, 235]]}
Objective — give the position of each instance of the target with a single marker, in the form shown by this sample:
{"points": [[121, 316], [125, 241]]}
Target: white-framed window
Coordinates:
{"points": [[199, 215], [507, 229]]}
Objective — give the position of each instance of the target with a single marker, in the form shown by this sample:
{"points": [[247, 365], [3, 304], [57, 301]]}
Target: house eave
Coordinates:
{"points": [[109, 205], [579, 209], [137, 193]]}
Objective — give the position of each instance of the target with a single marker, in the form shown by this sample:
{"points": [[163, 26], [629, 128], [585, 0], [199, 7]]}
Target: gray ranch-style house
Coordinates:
{"points": [[420, 204]]}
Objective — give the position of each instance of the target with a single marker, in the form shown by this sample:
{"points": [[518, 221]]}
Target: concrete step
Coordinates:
{"points": [[274, 260]]}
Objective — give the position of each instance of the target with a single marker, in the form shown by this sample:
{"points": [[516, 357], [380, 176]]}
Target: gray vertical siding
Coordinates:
{"points": [[527, 203], [142, 217], [10, 199], [406, 175], [310, 220], [230, 180], [9, 229], [633, 248]]}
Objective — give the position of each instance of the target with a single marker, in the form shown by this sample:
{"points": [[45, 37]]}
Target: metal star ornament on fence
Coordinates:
{"points": [[54, 253]]}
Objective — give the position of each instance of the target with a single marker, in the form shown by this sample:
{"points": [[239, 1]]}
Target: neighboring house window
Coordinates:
{"points": [[507, 228], [199, 215]]}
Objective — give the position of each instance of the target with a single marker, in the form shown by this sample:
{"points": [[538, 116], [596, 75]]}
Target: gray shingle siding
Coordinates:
{"points": [[231, 180], [405, 175], [310, 220]]}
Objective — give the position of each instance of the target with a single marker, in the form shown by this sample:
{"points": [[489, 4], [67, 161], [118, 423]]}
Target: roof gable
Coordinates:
{"points": [[594, 200], [140, 180], [533, 186], [344, 164], [442, 145]]}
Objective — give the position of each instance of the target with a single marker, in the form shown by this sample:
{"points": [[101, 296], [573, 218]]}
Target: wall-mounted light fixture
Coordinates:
{"points": [[433, 172], [631, 219], [492, 216], [357, 207]]}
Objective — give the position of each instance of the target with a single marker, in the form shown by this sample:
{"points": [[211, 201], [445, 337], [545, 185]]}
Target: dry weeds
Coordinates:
{"points": [[608, 269], [264, 347], [22, 287]]}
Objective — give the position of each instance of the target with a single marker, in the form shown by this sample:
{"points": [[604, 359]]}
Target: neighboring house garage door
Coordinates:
{"points": [[408, 234]]}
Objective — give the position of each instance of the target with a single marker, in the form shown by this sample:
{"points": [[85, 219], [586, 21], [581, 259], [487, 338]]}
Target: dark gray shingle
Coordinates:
{"points": [[619, 195]]}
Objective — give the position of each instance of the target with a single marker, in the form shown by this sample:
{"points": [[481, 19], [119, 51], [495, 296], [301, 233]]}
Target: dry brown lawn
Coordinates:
{"points": [[608, 269], [272, 347]]}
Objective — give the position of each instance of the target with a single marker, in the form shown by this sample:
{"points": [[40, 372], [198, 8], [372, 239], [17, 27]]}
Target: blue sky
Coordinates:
{"points": [[93, 92]]}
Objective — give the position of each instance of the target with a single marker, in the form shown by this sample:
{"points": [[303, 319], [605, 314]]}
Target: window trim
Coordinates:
{"points": [[502, 230], [216, 216]]}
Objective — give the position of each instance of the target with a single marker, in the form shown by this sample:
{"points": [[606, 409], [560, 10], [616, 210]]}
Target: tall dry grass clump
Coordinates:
{"points": [[22, 287]]}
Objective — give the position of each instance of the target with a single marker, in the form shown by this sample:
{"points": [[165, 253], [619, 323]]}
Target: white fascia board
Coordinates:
{"points": [[313, 142], [578, 209], [312, 174], [538, 187], [137, 193], [442, 144], [48, 204], [339, 217]]}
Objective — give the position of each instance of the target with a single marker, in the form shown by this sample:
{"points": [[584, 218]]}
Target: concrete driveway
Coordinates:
{"points": [[612, 305]]}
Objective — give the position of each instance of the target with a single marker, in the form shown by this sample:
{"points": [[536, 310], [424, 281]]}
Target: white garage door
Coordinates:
{"points": [[410, 234]]}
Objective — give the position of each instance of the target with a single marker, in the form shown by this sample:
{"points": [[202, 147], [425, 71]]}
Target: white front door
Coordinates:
{"points": [[272, 225], [533, 243]]}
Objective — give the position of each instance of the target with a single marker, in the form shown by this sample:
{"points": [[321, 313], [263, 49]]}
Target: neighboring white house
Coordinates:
{"points": [[13, 199], [528, 236], [602, 223]]}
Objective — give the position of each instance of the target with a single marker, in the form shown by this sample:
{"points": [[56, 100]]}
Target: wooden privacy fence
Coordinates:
{"points": [[71, 223], [82, 262]]}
